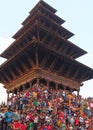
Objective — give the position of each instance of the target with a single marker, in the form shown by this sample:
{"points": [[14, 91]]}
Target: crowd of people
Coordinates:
{"points": [[45, 108]]}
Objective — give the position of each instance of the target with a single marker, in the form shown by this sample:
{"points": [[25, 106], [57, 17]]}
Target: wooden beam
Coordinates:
{"points": [[69, 69], [61, 68], [31, 62], [7, 77], [25, 67], [76, 74], [3, 79], [44, 61], [44, 39], [23, 64], [17, 68], [63, 50], [14, 76], [52, 64]]}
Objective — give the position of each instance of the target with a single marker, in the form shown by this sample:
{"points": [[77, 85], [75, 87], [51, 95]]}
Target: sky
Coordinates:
{"points": [[79, 20]]}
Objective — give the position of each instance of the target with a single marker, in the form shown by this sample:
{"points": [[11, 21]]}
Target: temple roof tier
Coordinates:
{"points": [[47, 9], [41, 18], [46, 35], [50, 61], [39, 14]]}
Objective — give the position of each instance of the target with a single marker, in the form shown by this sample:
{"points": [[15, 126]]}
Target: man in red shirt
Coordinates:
{"points": [[16, 125], [23, 126]]}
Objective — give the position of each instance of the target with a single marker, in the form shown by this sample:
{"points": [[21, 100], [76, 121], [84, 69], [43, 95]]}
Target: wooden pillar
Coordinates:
{"points": [[7, 95], [30, 84], [38, 82], [78, 93], [79, 97]]}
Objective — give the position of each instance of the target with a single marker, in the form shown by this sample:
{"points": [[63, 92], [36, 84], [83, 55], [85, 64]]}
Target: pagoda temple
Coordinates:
{"points": [[42, 53]]}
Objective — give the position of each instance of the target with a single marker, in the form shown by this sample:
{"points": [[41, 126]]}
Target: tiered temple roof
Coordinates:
{"points": [[42, 50]]}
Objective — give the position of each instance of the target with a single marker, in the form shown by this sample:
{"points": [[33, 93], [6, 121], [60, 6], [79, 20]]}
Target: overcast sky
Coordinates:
{"points": [[78, 15]]}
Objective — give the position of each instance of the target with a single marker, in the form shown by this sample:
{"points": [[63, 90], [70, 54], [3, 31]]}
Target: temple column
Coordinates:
{"points": [[38, 82], [79, 97], [7, 95], [30, 84], [78, 93]]}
